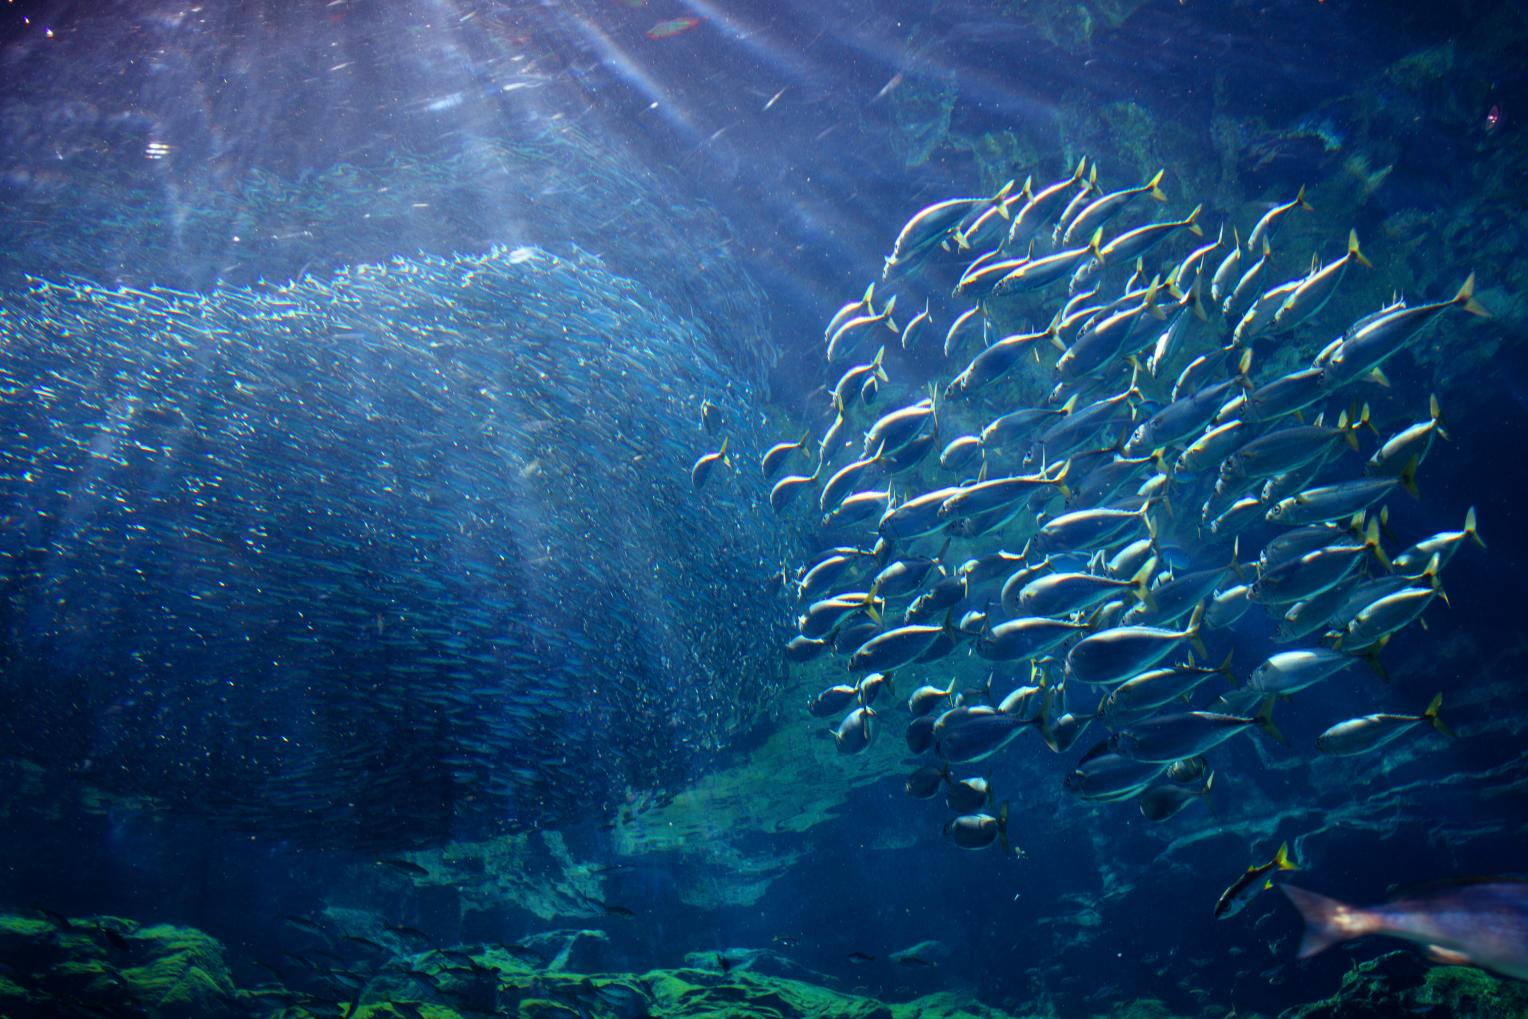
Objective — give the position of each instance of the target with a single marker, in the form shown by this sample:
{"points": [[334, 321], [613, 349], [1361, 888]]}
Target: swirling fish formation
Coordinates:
{"points": [[1066, 515], [378, 560]]}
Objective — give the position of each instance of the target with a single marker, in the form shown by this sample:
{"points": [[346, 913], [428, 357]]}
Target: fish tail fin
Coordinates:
{"points": [[1328, 921], [1281, 860], [1195, 623], [1358, 256], [1141, 584], [1371, 542], [1197, 294], [1350, 426], [1301, 202], [1093, 245], [1466, 297], [1371, 659], [1150, 302], [891, 323], [1193, 227], [1409, 478], [1082, 168], [1430, 574], [870, 609], [1154, 186], [1264, 719], [1469, 528], [1435, 414], [1431, 714], [1244, 369], [1235, 564], [1225, 668]]}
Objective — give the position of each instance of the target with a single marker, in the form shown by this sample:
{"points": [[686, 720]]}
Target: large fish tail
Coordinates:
{"points": [[1356, 254], [1470, 528], [1431, 715], [1466, 297], [1327, 921]]}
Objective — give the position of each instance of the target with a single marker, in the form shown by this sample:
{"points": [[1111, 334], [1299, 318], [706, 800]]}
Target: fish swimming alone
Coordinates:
{"points": [[1480, 922]]}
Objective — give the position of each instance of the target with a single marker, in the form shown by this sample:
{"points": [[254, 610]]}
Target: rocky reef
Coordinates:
{"points": [[110, 966]]}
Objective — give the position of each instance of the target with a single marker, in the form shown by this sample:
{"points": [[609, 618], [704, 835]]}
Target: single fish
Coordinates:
{"points": [[1110, 657], [1289, 671], [1337, 501], [1264, 230], [1473, 923], [855, 732], [1042, 208], [1375, 339], [924, 783], [1258, 878], [1317, 288], [775, 456], [1164, 801], [926, 699], [963, 735], [1408, 447], [703, 467], [966, 795], [978, 831], [1101, 210], [1169, 738], [1441, 546], [1361, 735]]}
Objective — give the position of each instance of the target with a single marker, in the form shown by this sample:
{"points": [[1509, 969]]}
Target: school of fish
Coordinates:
{"points": [[375, 560], [1052, 476]]}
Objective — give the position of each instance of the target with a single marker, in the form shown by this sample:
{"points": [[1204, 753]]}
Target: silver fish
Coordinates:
{"points": [[1361, 735]]}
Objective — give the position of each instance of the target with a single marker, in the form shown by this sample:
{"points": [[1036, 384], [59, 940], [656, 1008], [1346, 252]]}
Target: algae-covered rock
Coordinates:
{"points": [[1466, 993], [1403, 983], [116, 966], [922, 108]]}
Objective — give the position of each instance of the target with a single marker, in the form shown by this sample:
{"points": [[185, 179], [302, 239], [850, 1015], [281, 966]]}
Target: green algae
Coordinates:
{"points": [[1402, 983]]}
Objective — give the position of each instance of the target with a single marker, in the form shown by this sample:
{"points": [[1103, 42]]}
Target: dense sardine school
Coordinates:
{"points": [[376, 560], [1055, 475]]}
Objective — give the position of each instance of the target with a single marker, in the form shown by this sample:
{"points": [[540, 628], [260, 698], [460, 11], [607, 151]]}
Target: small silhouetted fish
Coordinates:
{"points": [[304, 924], [723, 962], [861, 958], [409, 932], [405, 867], [58, 920], [364, 942], [612, 909]]}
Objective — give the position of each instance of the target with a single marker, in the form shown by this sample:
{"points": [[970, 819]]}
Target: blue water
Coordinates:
{"points": [[353, 368]]}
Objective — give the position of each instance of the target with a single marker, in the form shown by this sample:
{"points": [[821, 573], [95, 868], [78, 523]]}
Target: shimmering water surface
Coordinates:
{"points": [[417, 596]]}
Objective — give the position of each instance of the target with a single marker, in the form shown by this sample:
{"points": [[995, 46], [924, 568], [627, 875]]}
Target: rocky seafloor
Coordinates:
{"points": [[111, 966]]}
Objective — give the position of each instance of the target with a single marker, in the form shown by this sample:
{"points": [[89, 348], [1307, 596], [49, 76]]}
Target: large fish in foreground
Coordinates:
{"points": [[1472, 923]]}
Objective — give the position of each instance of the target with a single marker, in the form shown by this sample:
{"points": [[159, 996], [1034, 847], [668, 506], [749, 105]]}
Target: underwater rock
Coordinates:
{"points": [[532, 871], [921, 109], [1402, 983], [115, 966]]}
